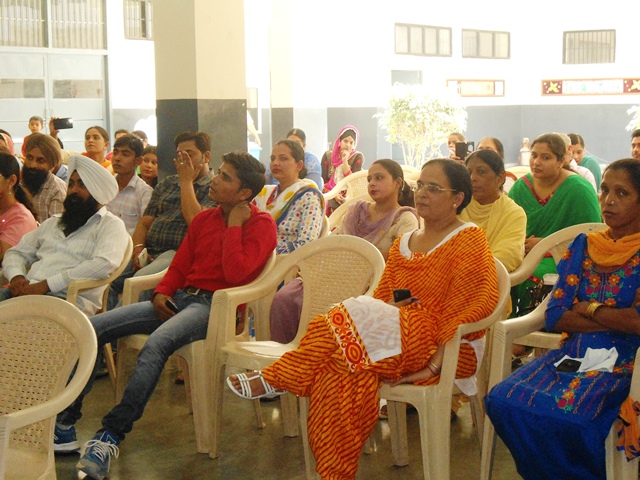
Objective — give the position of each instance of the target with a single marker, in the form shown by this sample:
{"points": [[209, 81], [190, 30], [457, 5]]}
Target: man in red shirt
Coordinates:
{"points": [[226, 246]]}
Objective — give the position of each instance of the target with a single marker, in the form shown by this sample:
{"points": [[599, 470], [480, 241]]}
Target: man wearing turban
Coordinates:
{"points": [[84, 242]]}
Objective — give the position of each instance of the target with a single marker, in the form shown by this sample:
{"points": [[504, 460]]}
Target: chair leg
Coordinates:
{"points": [[110, 363], [488, 447], [289, 407], [309, 459], [195, 378], [477, 415], [257, 408], [216, 393], [397, 418], [186, 373], [435, 432]]}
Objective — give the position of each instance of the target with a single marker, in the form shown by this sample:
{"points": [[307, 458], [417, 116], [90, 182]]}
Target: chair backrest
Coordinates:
{"points": [[519, 170], [452, 348], [78, 285], [41, 339], [556, 244], [354, 184], [338, 214], [338, 268]]}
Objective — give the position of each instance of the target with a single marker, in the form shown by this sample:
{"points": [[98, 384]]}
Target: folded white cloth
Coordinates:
{"points": [[601, 359]]}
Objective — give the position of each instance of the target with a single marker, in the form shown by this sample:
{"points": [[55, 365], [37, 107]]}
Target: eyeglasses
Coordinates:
{"points": [[432, 188]]}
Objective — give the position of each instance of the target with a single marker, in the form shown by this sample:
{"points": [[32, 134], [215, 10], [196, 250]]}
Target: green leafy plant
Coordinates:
{"points": [[634, 124], [420, 120]]}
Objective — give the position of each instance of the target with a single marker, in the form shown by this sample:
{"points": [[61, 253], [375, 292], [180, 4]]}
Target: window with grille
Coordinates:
{"points": [[22, 23], [138, 19], [58, 24], [485, 44], [423, 40], [593, 46]]}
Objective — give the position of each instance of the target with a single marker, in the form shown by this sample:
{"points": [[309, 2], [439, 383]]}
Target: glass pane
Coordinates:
{"points": [[77, 89], [485, 44], [469, 43], [77, 24], [501, 45], [430, 41], [22, 23], [402, 39], [21, 88], [444, 43], [416, 40]]}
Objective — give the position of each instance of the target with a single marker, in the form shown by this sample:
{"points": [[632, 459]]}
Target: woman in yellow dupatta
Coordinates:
{"points": [[555, 421], [450, 271]]}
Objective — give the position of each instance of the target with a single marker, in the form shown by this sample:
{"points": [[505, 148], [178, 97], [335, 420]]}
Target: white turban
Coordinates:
{"points": [[100, 183]]}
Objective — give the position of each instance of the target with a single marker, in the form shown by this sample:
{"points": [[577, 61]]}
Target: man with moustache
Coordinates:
{"points": [[226, 246], [48, 191], [84, 242]]}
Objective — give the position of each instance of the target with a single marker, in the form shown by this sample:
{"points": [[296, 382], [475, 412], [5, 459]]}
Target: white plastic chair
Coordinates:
{"points": [[333, 268], [355, 184], [433, 402], [41, 339], [519, 170], [76, 286], [555, 244], [338, 214], [197, 377]]}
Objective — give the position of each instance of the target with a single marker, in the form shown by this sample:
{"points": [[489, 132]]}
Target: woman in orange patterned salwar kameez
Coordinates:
{"points": [[346, 353]]}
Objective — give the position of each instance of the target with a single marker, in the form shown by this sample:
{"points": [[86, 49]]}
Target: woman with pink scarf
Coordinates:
{"points": [[340, 162]]}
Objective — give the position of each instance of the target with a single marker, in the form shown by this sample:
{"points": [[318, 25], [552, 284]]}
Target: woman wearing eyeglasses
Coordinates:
{"points": [[553, 198], [450, 271]]}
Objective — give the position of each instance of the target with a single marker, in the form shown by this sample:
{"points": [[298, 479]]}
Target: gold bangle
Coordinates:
{"points": [[591, 309]]}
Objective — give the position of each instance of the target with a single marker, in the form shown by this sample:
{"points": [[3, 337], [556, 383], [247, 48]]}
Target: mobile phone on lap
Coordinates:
{"points": [[401, 294]]}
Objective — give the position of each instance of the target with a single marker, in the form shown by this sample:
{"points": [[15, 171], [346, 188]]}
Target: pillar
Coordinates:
{"points": [[200, 75]]}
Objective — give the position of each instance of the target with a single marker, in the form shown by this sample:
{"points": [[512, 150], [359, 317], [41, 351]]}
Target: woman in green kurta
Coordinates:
{"points": [[553, 198]]}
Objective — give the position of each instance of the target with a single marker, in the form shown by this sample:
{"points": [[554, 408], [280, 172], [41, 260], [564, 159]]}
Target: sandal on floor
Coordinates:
{"points": [[245, 387]]}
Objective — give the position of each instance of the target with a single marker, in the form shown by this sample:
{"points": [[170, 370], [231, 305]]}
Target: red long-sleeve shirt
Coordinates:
{"points": [[214, 256]]}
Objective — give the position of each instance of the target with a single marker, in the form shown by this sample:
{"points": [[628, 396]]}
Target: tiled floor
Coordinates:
{"points": [[162, 444]]}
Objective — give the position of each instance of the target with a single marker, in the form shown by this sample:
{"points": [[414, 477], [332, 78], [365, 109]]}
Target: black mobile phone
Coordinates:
{"points": [[463, 149], [171, 306], [400, 294], [63, 123], [568, 365]]}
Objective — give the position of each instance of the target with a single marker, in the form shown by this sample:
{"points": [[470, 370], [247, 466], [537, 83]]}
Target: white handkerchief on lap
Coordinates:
{"points": [[601, 359]]}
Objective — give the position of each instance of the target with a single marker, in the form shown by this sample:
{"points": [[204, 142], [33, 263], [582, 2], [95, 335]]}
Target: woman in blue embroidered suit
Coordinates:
{"points": [[555, 423]]}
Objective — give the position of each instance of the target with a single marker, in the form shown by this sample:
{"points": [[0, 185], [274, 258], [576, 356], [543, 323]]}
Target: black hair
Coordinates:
{"points": [[458, 176], [497, 143], [150, 149], [491, 158], [576, 139], [634, 134], [132, 142], [297, 152], [103, 133], [140, 134], [349, 133], [201, 139], [249, 170], [405, 194], [298, 133], [632, 167], [9, 166], [554, 142]]}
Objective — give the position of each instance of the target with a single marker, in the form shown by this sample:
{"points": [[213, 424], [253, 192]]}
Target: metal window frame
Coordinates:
{"points": [[494, 37], [423, 53], [584, 55]]}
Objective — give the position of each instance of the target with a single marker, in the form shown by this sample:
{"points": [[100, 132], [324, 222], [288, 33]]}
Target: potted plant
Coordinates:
{"points": [[420, 120]]}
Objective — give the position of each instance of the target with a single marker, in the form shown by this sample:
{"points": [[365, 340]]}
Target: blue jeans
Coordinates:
{"points": [[161, 262], [187, 326]]}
